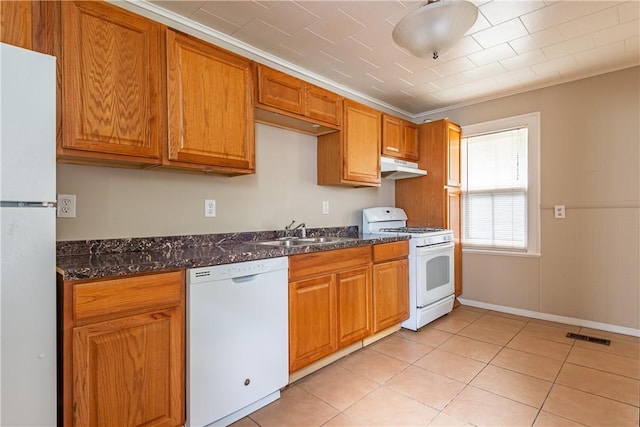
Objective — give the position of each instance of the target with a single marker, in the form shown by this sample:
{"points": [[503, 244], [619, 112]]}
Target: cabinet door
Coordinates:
{"points": [[323, 105], [16, 23], [312, 320], [410, 141], [391, 136], [354, 305], [280, 90], [210, 106], [361, 144], [390, 294], [453, 155], [111, 83], [129, 371], [454, 222]]}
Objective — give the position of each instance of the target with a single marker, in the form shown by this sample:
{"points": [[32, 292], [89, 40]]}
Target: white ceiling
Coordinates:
{"points": [[513, 47]]}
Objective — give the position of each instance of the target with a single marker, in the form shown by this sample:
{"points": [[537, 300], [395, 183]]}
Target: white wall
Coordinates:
{"points": [[590, 162], [117, 203]]}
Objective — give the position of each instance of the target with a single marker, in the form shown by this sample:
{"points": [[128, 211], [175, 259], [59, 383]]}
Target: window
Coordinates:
{"points": [[500, 198]]}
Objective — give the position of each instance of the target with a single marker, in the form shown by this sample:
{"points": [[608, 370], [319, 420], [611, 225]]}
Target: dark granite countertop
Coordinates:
{"points": [[94, 259]]}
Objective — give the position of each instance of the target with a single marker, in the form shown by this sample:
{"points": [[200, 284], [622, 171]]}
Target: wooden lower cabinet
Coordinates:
{"points": [[390, 285], [329, 303], [312, 320], [354, 305], [123, 351]]}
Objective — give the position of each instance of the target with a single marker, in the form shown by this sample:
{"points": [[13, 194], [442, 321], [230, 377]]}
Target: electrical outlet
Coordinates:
{"points": [[558, 212], [66, 206], [210, 208], [325, 208]]}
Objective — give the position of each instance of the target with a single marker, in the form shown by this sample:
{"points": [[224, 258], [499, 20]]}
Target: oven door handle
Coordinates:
{"points": [[433, 248]]}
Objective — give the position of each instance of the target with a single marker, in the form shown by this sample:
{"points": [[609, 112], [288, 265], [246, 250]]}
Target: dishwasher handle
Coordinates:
{"points": [[245, 279]]}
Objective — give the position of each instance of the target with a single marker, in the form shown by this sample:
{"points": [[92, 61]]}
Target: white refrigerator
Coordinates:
{"points": [[28, 241]]}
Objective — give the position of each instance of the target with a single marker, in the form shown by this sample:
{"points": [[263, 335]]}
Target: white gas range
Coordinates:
{"points": [[431, 273]]}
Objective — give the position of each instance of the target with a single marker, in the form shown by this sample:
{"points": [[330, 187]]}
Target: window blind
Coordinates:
{"points": [[494, 199]]}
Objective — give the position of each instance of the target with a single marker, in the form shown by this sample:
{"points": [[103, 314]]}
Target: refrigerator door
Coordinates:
{"points": [[28, 122], [28, 317]]}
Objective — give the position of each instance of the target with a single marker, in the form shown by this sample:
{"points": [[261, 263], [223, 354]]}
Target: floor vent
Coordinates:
{"points": [[588, 338]]}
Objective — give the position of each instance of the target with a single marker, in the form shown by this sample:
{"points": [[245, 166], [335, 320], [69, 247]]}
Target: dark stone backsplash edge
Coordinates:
{"points": [[163, 243]]}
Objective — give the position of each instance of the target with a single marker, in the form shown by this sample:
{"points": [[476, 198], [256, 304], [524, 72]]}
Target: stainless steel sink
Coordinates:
{"points": [[304, 241]]}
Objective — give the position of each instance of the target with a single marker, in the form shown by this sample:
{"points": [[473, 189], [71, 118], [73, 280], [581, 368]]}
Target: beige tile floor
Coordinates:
{"points": [[471, 367]]}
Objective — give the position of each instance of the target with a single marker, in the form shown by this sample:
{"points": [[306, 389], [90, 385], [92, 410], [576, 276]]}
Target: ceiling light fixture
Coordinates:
{"points": [[435, 27]]}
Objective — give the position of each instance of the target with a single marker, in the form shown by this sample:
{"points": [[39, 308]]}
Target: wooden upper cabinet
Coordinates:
{"points": [[323, 105], [410, 141], [299, 105], [453, 155], [352, 156], [399, 138], [280, 90], [210, 100], [391, 136], [112, 104], [16, 23]]}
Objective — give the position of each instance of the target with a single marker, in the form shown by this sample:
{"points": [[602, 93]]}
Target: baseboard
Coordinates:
{"points": [[553, 317]]}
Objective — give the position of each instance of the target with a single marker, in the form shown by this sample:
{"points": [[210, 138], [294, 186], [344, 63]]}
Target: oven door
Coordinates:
{"points": [[435, 276]]}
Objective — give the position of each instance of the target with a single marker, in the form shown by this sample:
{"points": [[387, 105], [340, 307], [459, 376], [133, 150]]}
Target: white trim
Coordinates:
{"points": [[493, 252], [532, 122], [553, 317]]}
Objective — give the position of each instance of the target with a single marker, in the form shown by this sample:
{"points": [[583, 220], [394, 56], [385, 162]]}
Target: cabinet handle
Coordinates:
{"points": [[397, 150]]}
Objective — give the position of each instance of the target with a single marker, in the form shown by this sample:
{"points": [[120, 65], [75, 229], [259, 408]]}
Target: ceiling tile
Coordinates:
{"points": [[524, 60], [209, 20], [321, 8], [304, 42], [494, 54], [536, 41], [372, 12], [453, 67], [497, 12], [336, 27], [451, 81], [622, 32], [595, 57], [555, 67], [288, 17], [466, 46], [184, 8], [629, 11], [484, 71], [590, 23], [501, 33], [239, 13], [568, 47], [260, 34]]}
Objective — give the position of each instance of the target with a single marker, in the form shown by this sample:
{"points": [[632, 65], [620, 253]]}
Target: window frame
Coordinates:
{"points": [[532, 122]]}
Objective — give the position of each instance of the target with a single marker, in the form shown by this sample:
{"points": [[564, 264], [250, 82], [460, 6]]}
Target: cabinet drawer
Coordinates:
{"points": [[307, 265], [112, 298], [386, 251]]}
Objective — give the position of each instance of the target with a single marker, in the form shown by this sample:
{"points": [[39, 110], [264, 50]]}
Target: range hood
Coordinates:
{"points": [[399, 169]]}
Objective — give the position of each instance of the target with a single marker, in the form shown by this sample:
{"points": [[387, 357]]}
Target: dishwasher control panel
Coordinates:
{"points": [[236, 270]]}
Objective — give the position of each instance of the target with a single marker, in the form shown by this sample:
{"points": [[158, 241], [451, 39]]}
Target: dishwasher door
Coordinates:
{"points": [[237, 339]]}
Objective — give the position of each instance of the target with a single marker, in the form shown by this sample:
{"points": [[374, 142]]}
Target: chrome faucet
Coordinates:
{"points": [[288, 229]]}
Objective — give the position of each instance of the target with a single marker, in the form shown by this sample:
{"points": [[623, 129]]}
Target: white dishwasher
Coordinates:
{"points": [[237, 339]]}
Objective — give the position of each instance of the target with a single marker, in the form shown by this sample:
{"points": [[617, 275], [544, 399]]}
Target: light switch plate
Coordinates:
{"points": [[325, 208]]}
